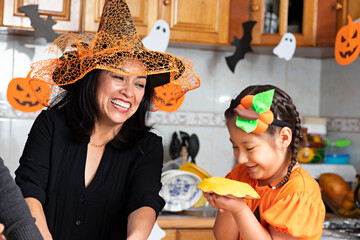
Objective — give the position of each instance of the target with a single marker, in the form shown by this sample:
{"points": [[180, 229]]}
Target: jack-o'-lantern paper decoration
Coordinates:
{"points": [[347, 43], [173, 105], [21, 97]]}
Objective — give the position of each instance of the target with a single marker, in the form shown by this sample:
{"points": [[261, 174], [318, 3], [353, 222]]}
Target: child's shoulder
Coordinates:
{"points": [[301, 181]]}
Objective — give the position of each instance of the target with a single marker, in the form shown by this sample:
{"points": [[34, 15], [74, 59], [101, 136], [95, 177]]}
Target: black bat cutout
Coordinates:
{"points": [[43, 28], [242, 45]]}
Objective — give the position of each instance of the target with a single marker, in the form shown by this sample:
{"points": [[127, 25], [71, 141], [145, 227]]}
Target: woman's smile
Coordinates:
{"points": [[121, 105]]}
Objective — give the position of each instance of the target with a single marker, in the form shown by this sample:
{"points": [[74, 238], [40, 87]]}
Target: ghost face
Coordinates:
{"points": [[158, 38], [286, 48]]}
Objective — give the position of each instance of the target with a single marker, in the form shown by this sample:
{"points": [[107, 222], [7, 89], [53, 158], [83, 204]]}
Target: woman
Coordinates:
{"points": [[90, 168]]}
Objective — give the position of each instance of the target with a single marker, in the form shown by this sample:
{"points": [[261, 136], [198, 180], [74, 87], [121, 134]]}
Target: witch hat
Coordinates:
{"points": [[115, 42]]}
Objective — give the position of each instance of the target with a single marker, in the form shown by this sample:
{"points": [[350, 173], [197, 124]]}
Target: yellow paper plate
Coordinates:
{"points": [[225, 186], [193, 168]]}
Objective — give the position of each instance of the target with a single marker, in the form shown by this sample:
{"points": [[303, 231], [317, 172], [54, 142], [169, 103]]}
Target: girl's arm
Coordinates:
{"points": [[37, 212], [225, 227], [140, 223]]}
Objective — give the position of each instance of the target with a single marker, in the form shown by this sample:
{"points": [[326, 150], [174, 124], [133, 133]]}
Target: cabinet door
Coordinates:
{"points": [[277, 17], [347, 7], [144, 13], [170, 234], [197, 21], [195, 234], [66, 13]]}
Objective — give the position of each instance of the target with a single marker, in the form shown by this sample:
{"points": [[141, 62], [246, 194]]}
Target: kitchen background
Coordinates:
{"points": [[319, 87]]}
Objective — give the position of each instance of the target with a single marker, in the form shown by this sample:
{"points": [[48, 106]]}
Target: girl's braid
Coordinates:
{"points": [[285, 109]]}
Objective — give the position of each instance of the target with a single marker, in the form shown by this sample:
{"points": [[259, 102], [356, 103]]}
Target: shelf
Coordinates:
{"points": [[346, 171]]}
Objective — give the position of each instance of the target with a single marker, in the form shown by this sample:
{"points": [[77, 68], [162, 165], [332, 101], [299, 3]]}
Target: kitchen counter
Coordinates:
{"points": [[186, 222], [188, 225], [194, 224], [192, 218]]}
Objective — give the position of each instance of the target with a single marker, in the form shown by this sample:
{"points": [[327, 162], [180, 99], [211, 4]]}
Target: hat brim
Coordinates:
{"points": [[170, 76]]}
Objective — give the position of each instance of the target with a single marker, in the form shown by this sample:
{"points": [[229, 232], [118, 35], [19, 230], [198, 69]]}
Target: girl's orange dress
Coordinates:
{"points": [[295, 208]]}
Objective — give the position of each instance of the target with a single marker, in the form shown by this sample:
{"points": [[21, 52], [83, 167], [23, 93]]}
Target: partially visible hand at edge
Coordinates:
{"points": [[1, 231]]}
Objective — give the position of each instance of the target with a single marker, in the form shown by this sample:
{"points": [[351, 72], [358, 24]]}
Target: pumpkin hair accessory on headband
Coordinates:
{"points": [[254, 114], [115, 44]]}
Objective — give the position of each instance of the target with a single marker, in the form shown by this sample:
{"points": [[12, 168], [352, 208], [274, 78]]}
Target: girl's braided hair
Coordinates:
{"points": [[283, 109]]}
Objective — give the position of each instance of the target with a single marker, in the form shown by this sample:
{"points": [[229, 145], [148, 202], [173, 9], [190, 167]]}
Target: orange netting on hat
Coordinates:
{"points": [[112, 48]]}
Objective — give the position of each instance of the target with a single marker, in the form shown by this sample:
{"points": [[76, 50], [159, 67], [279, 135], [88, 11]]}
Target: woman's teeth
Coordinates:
{"points": [[120, 104]]}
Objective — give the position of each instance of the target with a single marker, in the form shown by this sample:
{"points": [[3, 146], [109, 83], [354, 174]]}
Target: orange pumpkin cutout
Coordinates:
{"points": [[347, 43], [21, 97], [173, 105]]}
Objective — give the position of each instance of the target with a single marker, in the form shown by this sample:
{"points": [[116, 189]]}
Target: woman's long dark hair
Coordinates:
{"points": [[283, 109], [79, 105]]}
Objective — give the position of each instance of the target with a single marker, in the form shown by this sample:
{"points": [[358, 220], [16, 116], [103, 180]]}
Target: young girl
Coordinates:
{"points": [[265, 131]]}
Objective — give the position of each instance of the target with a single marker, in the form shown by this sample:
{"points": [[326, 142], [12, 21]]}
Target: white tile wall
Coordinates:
{"points": [[303, 85], [6, 62], [5, 133], [19, 132], [340, 87], [229, 84], [204, 67], [268, 69]]}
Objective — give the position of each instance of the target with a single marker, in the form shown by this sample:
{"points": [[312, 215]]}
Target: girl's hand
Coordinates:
{"points": [[225, 203]]}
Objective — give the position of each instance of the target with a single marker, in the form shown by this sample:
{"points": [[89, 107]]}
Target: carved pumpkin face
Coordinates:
{"points": [[173, 105], [21, 97], [347, 43]]}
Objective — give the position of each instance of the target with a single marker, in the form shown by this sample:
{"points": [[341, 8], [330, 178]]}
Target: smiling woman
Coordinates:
{"points": [[91, 168]]}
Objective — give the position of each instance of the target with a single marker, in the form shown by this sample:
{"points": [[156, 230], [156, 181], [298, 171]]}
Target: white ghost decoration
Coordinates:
{"points": [[286, 48], [158, 38]]}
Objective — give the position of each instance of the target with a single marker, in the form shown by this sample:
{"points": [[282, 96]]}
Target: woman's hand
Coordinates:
{"points": [[37, 212], [1, 231], [225, 203], [140, 223]]}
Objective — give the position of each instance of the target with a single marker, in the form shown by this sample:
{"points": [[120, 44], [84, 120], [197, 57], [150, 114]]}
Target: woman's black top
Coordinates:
{"points": [[52, 169]]}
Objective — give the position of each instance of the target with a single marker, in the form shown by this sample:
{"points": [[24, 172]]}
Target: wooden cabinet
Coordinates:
{"points": [[313, 22], [144, 13], [195, 234], [347, 7], [190, 21], [191, 228], [273, 21], [196, 21], [67, 13]]}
